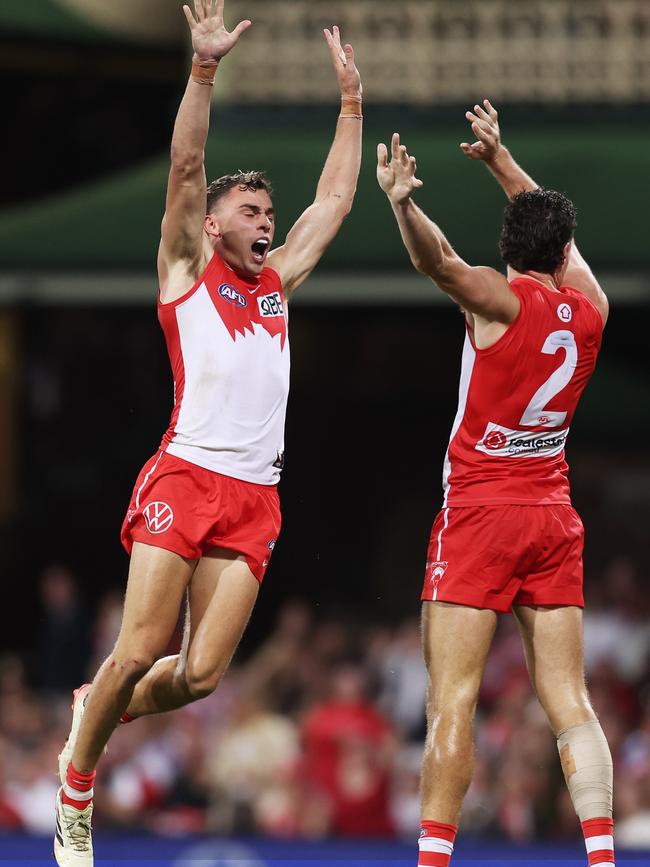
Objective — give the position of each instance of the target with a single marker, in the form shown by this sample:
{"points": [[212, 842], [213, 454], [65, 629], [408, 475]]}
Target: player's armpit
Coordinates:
{"points": [[480, 290], [307, 240]]}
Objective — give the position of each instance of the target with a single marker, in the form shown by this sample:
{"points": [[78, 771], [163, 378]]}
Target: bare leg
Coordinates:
{"points": [[157, 581], [222, 594], [554, 652], [456, 642]]}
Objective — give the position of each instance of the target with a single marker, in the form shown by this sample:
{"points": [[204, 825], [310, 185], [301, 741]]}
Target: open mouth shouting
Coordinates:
{"points": [[259, 249]]}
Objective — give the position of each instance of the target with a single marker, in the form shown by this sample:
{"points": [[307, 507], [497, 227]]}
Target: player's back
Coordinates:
{"points": [[517, 399]]}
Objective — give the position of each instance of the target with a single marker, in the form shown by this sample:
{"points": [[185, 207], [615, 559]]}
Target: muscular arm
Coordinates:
{"points": [[513, 179], [182, 253], [318, 225], [184, 248], [479, 290]]}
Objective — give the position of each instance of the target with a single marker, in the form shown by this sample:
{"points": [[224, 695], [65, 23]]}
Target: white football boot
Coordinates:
{"points": [[73, 846]]}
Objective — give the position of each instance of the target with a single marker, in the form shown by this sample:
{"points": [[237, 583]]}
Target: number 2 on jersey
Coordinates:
{"points": [[535, 414]]}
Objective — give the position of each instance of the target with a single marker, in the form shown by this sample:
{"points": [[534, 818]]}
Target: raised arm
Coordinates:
{"points": [[317, 227], [513, 179], [184, 247], [479, 290]]}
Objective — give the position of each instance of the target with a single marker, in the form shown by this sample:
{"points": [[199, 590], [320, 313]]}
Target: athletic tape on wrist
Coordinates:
{"points": [[351, 106], [203, 71]]}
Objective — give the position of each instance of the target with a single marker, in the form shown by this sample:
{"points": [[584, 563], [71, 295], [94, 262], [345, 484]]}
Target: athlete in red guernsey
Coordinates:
{"points": [[204, 516], [507, 537]]}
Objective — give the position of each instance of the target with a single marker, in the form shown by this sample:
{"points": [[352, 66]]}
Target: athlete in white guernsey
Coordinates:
{"points": [[507, 537], [204, 516]]}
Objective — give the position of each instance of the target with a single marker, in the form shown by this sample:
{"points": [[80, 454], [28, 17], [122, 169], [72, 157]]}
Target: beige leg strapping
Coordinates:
{"points": [[587, 765]]}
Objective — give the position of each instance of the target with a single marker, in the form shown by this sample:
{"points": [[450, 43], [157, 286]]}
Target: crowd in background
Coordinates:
{"points": [[319, 730]]}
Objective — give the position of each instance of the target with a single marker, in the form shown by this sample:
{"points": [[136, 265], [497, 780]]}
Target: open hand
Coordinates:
{"points": [[485, 126], [397, 177], [210, 39], [347, 73]]}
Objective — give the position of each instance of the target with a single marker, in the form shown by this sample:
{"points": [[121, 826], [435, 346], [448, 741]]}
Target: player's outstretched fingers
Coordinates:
{"points": [[486, 136], [334, 42], [491, 110], [482, 114], [241, 28], [339, 47], [417, 183], [198, 10], [395, 146], [485, 125], [190, 18], [382, 156], [471, 150]]}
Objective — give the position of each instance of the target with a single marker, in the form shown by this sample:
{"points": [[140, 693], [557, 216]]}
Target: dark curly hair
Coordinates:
{"points": [[536, 227], [243, 180]]}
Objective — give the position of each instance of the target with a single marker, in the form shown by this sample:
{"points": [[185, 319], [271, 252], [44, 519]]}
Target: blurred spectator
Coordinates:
{"points": [[633, 832], [105, 630], [257, 750], [405, 790], [617, 623], [62, 636], [404, 681], [348, 752]]}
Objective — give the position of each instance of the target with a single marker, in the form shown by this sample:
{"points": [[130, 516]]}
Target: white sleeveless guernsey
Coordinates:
{"points": [[229, 350]]}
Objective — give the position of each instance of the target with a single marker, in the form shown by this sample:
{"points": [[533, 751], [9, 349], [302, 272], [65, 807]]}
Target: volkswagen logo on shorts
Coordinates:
{"points": [[158, 517], [565, 313], [227, 291]]}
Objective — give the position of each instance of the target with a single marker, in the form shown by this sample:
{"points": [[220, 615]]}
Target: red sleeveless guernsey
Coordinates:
{"points": [[517, 399]]}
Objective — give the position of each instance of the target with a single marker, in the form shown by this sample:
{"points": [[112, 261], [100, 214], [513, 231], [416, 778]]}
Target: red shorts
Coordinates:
{"points": [[499, 556], [190, 510]]}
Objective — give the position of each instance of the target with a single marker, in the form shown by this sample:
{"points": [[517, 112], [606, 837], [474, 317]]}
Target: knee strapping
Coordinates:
{"points": [[587, 765]]}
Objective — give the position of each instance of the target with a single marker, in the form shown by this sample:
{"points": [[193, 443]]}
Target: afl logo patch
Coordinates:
{"points": [[565, 313], [158, 517], [232, 295]]}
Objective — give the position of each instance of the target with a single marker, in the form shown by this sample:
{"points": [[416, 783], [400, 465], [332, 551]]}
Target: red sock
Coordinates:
{"points": [[436, 844], [126, 718], [78, 788], [599, 840]]}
